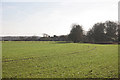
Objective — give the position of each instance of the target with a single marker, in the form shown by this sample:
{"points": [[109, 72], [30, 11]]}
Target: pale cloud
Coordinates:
{"points": [[57, 20]]}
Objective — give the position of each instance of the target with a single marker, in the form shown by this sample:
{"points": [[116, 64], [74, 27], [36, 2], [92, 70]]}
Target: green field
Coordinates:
{"points": [[49, 59]]}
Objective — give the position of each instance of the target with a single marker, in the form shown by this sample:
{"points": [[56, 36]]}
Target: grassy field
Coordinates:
{"points": [[45, 59]]}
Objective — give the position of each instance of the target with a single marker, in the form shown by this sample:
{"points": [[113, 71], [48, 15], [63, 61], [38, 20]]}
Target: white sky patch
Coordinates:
{"points": [[0, 18], [56, 19], [58, 0]]}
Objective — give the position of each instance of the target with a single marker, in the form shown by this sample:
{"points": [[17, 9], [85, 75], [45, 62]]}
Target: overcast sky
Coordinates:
{"points": [[54, 17]]}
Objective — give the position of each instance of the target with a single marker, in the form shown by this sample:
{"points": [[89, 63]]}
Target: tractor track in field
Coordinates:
{"points": [[18, 59], [92, 49], [83, 51], [30, 58]]}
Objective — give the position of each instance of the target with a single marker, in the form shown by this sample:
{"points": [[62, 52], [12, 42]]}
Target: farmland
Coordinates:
{"points": [[50, 59]]}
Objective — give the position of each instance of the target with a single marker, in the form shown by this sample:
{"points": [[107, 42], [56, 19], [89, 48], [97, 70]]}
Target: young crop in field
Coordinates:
{"points": [[49, 59]]}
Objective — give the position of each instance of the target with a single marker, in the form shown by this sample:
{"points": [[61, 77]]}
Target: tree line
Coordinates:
{"points": [[102, 32], [107, 32]]}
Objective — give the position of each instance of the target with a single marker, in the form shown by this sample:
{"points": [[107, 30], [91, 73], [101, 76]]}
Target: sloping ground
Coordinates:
{"points": [[40, 59]]}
